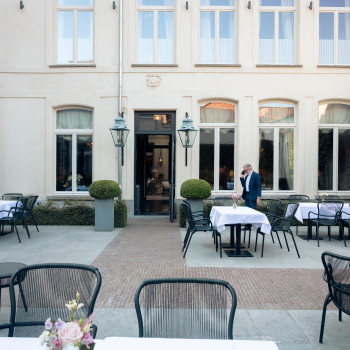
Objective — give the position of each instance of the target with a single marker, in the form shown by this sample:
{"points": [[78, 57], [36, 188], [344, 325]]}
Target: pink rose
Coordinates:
{"points": [[70, 333]]}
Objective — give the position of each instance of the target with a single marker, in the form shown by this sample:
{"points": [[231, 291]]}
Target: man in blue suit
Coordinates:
{"points": [[251, 182]]}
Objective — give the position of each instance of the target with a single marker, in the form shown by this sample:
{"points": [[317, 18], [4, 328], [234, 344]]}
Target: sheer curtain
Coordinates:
{"points": [[85, 36], [74, 119], [286, 38], [286, 159], [165, 42], [227, 39], [326, 38], [335, 113], [344, 38], [207, 37], [266, 38], [145, 37], [65, 37]]}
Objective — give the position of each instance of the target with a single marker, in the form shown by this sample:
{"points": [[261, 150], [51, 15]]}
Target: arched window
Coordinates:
{"points": [[334, 147], [276, 145], [73, 150], [217, 144]]}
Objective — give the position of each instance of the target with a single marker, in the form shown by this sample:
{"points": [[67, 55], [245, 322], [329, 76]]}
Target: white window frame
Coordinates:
{"points": [[217, 127], [155, 10], [276, 10], [74, 133], [217, 10], [335, 11], [276, 128], [75, 10]]}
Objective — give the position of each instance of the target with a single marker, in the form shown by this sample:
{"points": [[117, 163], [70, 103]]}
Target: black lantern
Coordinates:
{"points": [[187, 133], [119, 131]]}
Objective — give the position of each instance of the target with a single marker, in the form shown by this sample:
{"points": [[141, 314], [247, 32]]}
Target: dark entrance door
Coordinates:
{"points": [[154, 171]]}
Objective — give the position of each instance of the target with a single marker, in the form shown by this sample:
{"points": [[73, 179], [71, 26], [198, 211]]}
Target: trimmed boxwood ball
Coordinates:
{"points": [[195, 189], [104, 189]]}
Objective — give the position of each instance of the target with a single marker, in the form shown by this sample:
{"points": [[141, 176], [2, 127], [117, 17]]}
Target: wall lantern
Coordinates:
{"points": [[21, 5], [310, 6], [187, 133], [119, 131]]}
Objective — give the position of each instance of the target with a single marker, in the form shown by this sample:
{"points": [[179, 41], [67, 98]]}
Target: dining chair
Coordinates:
{"points": [[28, 212], [45, 289], [345, 221], [185, 308], [298, 198], [12, 196], [337, 275], [328, 214]]}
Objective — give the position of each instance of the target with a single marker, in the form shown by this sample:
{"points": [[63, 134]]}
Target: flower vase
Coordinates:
{"points": [[234, 204]]}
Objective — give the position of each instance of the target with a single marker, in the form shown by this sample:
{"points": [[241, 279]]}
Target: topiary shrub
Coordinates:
{"points": [[195, 189], [104, 189]]}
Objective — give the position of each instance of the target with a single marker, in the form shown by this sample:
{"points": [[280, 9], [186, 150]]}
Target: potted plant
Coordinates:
{"points": [[104, 192], [195, 190]]}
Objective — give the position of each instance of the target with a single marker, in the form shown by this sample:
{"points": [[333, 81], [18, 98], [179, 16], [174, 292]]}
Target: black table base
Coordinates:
{"points": [[242, 254], [235, 250]]}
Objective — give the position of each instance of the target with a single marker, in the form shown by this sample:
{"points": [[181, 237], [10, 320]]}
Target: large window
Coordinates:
{"points": [[73, 150], [155, 43], [334, 32], [276, 146], [217, 31], [217, 144], [276, 34], [75, 31], [334, 147]]}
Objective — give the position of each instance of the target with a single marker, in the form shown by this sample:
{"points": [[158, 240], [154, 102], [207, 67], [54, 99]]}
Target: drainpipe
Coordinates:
{"points": [[120, 149]]}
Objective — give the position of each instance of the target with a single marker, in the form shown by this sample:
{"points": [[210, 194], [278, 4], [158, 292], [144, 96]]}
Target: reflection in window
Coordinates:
{"points": [[344, 160], [325, 159], [276, 113], [64, 163], [286, 159], [266, 158], [206, 156], [227, 150]]}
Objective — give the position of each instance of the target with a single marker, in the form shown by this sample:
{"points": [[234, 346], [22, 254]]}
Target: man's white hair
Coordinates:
{"points": [[248, 166]]}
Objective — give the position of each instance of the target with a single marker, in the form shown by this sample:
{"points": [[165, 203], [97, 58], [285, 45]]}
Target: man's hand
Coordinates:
{"points": [[258, 201]]}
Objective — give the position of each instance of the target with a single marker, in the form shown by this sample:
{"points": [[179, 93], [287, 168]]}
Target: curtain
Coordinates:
{"points": [[227, 39], [326, 38], [335, 113], [217, 112], [286, 159], [85, 36], [165, 44], [207, 37], [145, 37], [266, 38], [344, 38], [74, 119], [64, 36], [286, 38]]}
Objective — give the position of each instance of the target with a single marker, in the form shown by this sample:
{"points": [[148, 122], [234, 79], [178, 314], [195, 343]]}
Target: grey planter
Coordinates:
{"points": [[196, 204], [104, 214]]}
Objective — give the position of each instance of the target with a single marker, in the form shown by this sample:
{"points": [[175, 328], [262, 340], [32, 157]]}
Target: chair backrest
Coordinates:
{"points": [[273, 206], [188, 213], [30, 204], [44, 291], [18, 210], [185, 308], [337, 275], [329, 209], [298, 198], [330, 197], [13, 196], [289, 212], [223, 201]]}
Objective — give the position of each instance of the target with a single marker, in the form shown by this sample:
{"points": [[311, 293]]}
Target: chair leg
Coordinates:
{"points": [[285, 238], [273, 241], [339, 316], [329, 233], [262, 248], [342, 233], [256, 238], [250, 231], [26, 227], [326, 302], [317, 235], [188, 243], [295, 245], [35, 222], [278, 237], [220, 246], [14, 224], [186, 238]]}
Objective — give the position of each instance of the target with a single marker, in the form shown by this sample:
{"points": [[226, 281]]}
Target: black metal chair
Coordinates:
{"points": [[328, 214], [330, 197], [28, 212], [15, 215], [337, 275], [12, 196], [198, 224], [185, 308], [281, 224], [45, 289], [345, 221]]}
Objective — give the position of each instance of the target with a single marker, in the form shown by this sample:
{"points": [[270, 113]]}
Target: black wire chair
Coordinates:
{"points": [[328, 214], [185, 308], [337, 275], [200, 223], [12, 196], [44, 291], [28, 212]]}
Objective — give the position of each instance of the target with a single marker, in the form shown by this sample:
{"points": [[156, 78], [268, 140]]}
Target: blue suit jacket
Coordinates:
{"points": [[254, 187]]}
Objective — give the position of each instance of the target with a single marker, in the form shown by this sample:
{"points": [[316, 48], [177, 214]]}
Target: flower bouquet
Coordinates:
{"points": [[323, 195], [235, 197], [72, 335]]}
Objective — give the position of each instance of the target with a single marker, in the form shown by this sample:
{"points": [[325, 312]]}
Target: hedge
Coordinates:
{"points": [[75, 214]]}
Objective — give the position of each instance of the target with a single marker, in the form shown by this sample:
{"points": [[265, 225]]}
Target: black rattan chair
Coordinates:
{"points": [[185, 308], [45, 289], [198, 224], [337, 276], [328, 214], [28, 212], [12, 196]]}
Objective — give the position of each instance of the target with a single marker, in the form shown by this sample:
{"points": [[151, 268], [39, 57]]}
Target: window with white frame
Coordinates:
{"points": [[73, 150], [334, 147], [276, 146], [75, 31], [217, 144], [155, 28], [217, 32], [334, 32], [277, 32]]}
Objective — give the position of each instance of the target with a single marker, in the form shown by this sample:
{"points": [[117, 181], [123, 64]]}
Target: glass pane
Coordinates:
{"points": [[206, 156], [217, 112], [227, 148], [75, 2], [85, 36], [74, 119], [145, 37], [286, 38], [286, 160], [266, 158], [165, 45], [64, 36], [276, 2], [84, 162], [344, 38], [217, 2], [276, 112], [267, 38], [344, 160], [207, 37], [64, 163], [334, 3], [154, 122], [227, 37], [326, 38], [156, 2], [325, 159], [334, 113]]}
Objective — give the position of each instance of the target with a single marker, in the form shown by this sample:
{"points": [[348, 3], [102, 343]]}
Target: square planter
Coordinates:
{"points": [[104, 214]]}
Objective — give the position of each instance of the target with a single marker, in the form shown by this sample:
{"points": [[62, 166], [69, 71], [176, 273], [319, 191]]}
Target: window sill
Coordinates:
{"points": [[76, 65], [153, 65], [333, 66], [279, 65], [73, 196], [217, 65]]}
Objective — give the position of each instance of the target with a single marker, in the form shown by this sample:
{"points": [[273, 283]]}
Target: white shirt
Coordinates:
{"points": [[247, 180]]}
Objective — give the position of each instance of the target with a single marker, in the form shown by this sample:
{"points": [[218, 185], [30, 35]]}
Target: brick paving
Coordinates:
{"points": [[151, 248]]}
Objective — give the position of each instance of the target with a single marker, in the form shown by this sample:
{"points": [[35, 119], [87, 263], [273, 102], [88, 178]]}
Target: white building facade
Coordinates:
{"points": [[264, 81]]}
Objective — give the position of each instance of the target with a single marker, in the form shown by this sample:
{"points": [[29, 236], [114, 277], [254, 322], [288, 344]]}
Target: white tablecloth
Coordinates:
{"points": [[119, 343], [221, 216], [6, 205]]}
